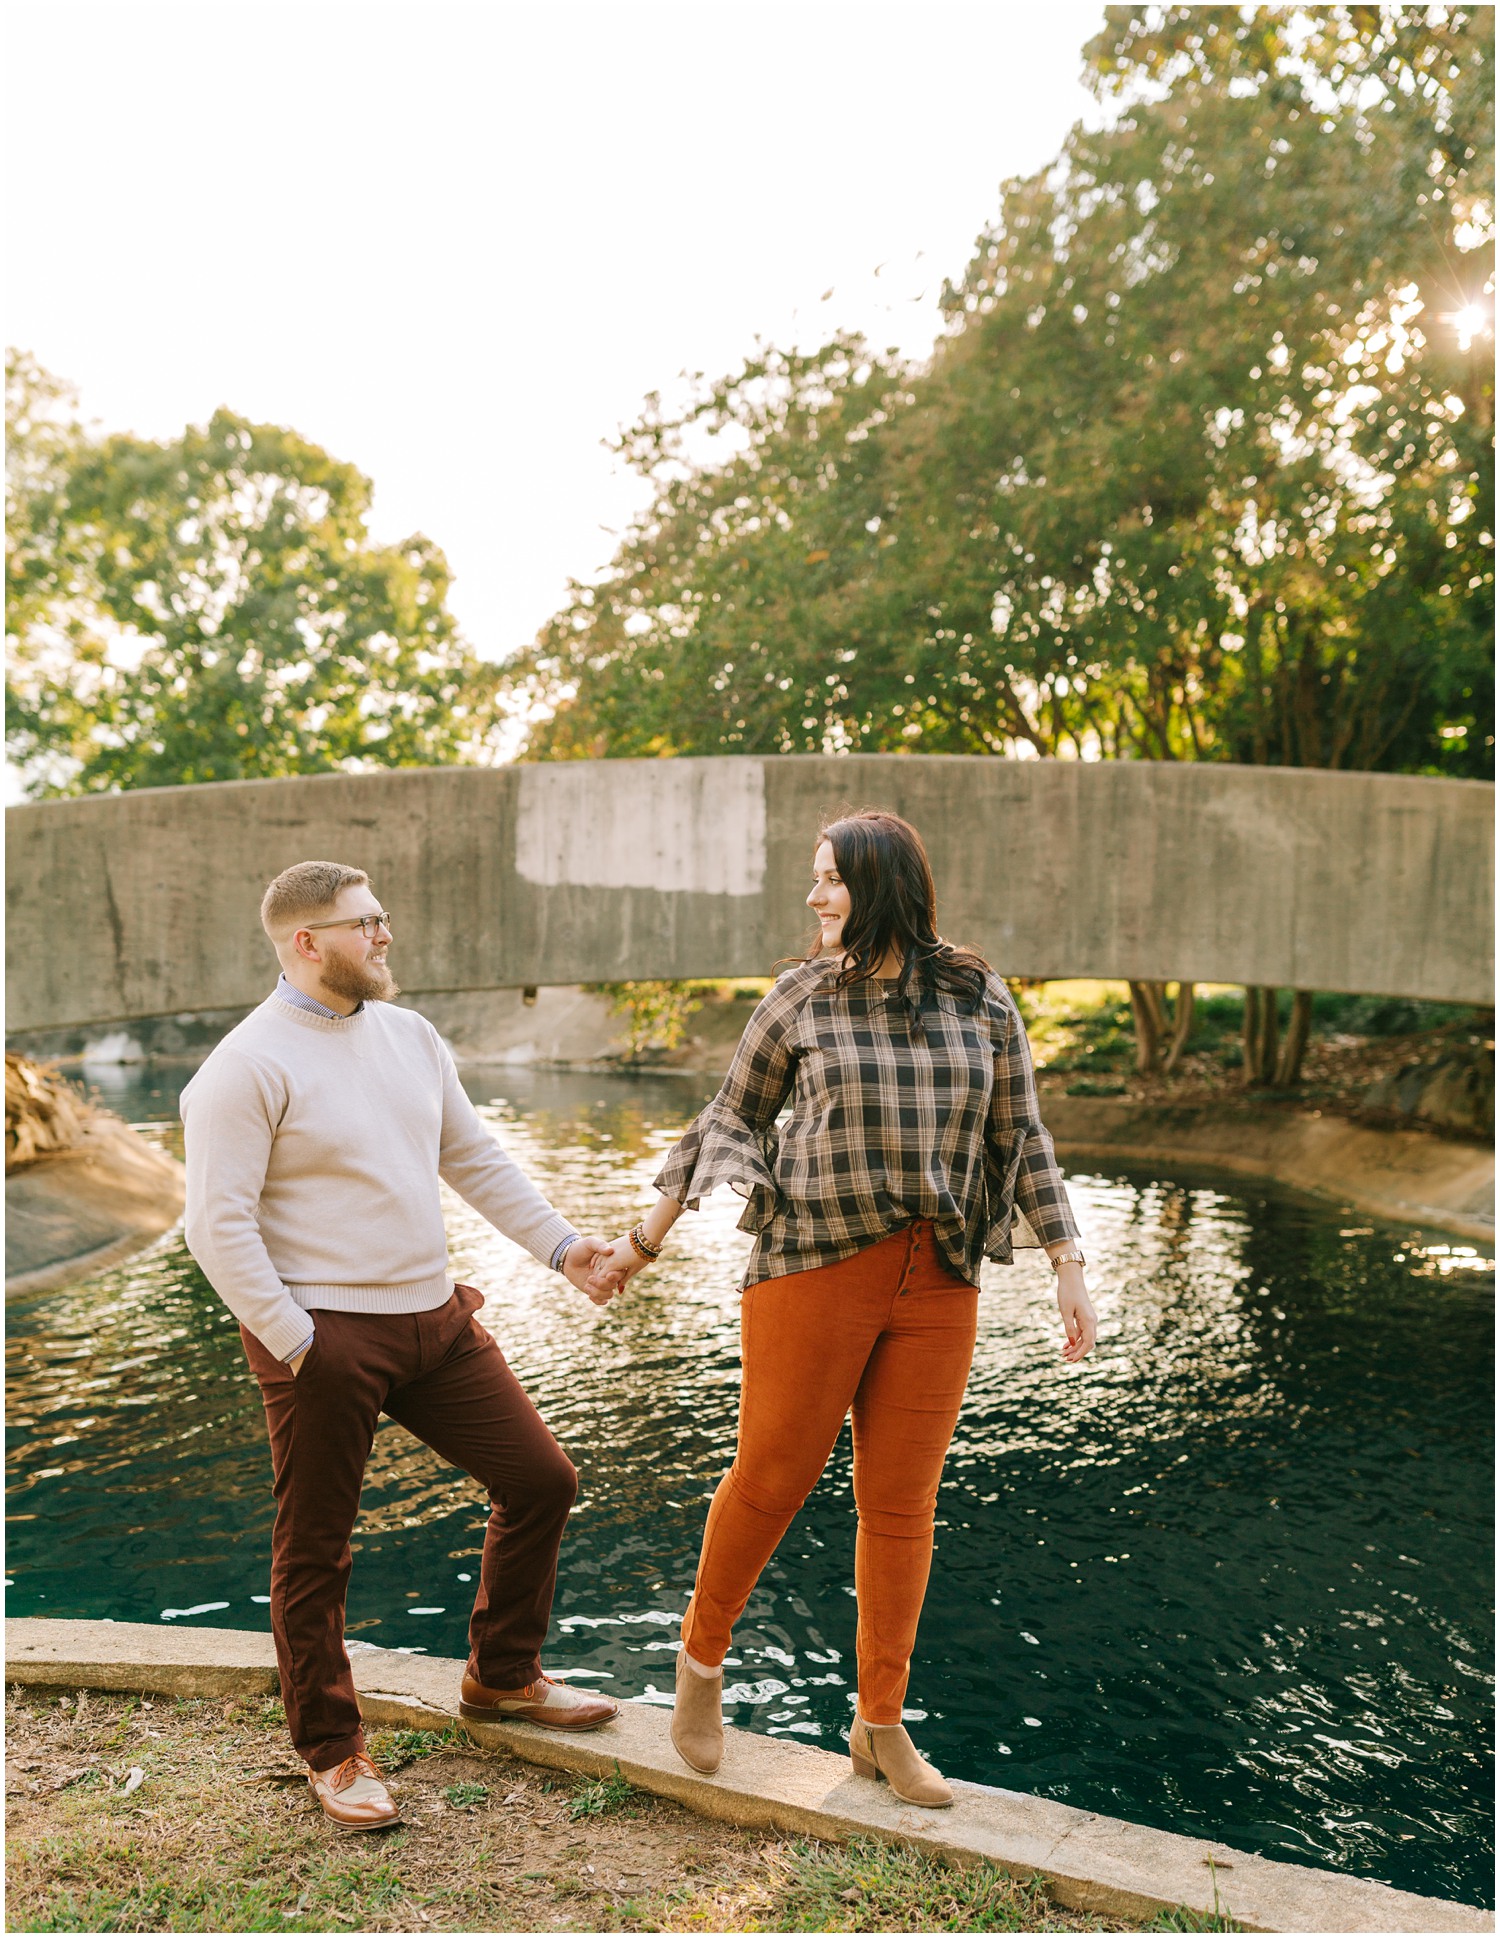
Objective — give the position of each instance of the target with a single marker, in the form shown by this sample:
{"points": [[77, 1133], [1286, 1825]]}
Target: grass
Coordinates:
{"points": [[603, 1794], [872, 1886], [1180, 1918], [1184, 1920], [394, 1749], [222, 1835], [116, 1884], [464, 1796]]}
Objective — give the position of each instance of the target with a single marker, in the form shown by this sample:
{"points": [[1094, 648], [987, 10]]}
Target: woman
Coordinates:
{"points": [[914, 1132]]}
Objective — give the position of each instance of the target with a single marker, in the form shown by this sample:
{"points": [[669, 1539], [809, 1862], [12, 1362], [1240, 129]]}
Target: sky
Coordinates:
{"points": [[457, 244]]}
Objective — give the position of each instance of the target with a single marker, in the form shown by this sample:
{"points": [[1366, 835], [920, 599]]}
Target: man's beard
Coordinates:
{"points": [[372, 984]]}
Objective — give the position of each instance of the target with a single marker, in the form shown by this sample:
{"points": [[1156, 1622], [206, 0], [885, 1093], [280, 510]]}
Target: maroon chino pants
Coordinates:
{"points": [[443, 1377]]}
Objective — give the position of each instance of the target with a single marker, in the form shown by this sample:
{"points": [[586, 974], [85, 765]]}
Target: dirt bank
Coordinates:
{"points": [[1409, 1177], [82, 1190]]}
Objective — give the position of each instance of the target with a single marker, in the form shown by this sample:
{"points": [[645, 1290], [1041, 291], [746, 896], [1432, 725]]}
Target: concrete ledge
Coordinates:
{"points": [[1410, 1177], [1090, 1862], [73, 1214]]}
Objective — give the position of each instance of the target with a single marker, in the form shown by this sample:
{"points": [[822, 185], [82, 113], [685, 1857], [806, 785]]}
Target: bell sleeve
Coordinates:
{"points": [[1020, 1164], [732, 1140]]}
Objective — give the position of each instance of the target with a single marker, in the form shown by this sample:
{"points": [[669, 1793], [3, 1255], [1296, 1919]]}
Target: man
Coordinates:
{"points": [[317, 1132]]}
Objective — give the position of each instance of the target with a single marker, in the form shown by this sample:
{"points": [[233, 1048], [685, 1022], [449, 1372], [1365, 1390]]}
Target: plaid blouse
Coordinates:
{"points": [[896, 1115]]}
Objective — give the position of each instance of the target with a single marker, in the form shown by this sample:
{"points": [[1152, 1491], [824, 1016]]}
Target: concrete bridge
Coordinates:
{"points": [[131, 906]]}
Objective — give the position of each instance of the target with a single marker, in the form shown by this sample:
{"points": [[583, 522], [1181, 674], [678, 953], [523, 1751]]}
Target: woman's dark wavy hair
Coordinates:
{"points": [[893, 905]]}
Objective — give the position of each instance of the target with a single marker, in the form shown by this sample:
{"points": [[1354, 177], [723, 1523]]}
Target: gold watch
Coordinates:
{"points": [[1075, 1257]]}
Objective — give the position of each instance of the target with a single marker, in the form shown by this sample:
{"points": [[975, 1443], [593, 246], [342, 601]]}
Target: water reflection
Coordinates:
{"points": [[1233, 1575]]}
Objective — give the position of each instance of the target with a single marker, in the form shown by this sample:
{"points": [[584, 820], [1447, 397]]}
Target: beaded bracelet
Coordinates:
{"points": [[643, 1246]]}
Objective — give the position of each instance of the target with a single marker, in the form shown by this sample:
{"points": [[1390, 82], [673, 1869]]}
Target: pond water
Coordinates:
{"points": [[1231, 1577]]}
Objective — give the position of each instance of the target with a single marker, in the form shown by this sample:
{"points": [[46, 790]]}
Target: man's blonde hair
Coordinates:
{"points": [[307, 888]]}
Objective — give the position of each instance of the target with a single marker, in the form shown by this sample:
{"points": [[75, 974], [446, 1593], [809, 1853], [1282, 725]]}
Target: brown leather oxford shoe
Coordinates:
{"points": [[552, 1704], [353, 1795]]}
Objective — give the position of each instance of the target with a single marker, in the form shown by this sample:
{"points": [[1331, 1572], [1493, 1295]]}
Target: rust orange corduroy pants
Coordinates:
{"points": [[888, 1333]]}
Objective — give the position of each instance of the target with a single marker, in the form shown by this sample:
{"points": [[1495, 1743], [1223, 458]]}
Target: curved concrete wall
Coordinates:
{"points": [[135, 905]]}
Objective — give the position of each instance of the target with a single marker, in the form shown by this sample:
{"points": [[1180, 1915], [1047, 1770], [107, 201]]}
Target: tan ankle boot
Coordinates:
{"points": [[890, 1753], [698, 1718]]}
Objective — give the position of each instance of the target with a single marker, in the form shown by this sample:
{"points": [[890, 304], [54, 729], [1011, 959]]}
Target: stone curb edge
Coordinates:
{"points": [[1089, 1862]]}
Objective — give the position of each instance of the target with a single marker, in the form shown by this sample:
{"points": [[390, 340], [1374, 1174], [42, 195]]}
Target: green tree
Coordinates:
{"points": [[735, 602], [212, 609], [45, 606], [1199, 469], [1323, 181]]}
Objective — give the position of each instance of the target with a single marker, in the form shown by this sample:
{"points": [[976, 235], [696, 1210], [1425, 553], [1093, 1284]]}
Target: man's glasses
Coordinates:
{"points": [[369, 926]]}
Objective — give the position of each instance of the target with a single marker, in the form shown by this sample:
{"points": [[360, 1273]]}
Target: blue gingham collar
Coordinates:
{"points": [[288, 992]]}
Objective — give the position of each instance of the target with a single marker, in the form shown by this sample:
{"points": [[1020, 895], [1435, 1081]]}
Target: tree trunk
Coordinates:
{"points": [[1289, 1063], [1268, 1029], [1159, 1027], [1145, 1006], [1182, 1025], [1260, 1035]]}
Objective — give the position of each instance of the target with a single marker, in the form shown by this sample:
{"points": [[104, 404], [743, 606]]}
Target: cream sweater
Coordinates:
{"points": [[314, 1149]]}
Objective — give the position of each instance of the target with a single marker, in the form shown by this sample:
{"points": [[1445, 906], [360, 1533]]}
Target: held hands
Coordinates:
{"points": [[1080, 1321], [588, 1263], [600, 1269], [614, 1266], [618, 1263]]}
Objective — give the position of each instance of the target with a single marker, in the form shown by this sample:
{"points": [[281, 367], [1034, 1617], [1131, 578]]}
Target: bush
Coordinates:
{"points": [[657, 1013]]}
